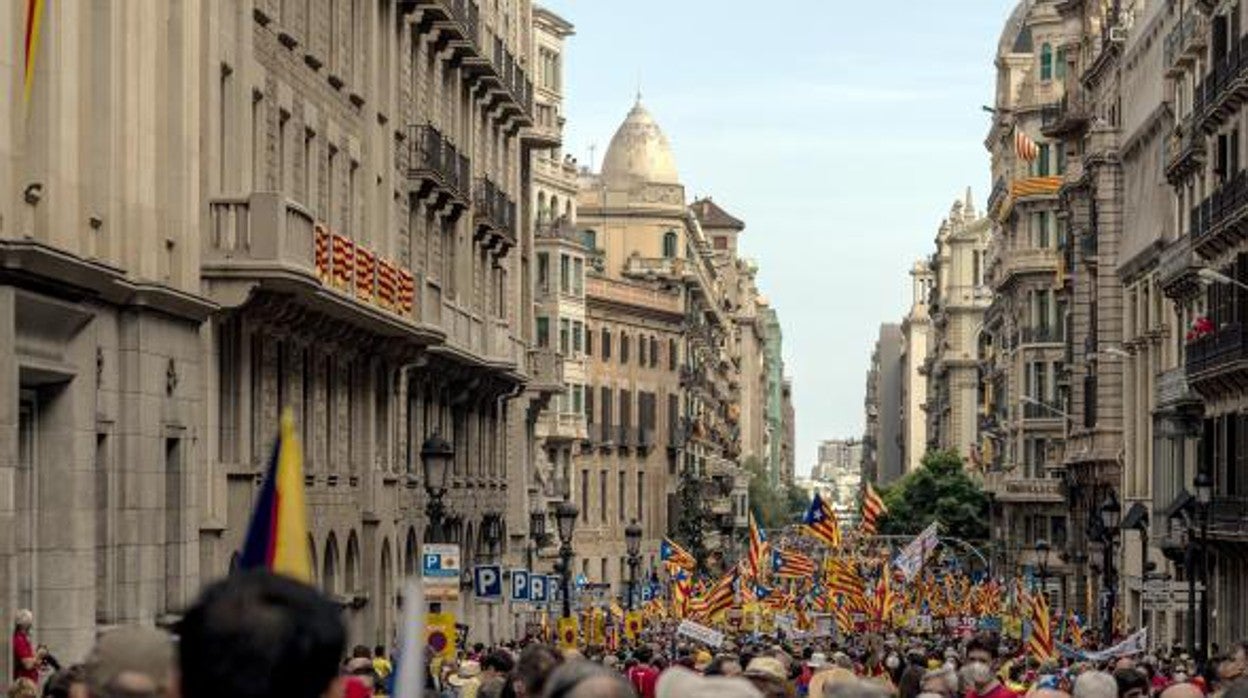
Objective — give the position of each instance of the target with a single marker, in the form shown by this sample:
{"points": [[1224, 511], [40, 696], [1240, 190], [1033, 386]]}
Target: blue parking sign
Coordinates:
{"points": [[537, 588], [519, 585], [488, 582]]}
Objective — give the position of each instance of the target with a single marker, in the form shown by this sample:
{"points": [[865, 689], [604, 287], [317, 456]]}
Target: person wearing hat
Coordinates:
{"points": [[679, 682], [467, 679], [131, 662], [701, 660]]}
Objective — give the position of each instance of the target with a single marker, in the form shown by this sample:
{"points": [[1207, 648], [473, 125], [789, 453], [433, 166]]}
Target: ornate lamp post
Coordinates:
{"points": [[632, 539], [565, 517], [1111, 514], [537, 530], [1042, 557], [436, 455], [1204, 506]]}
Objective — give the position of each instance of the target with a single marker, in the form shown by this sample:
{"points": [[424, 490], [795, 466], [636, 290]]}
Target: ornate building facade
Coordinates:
{"points": [[324, 207], [916, 331]]}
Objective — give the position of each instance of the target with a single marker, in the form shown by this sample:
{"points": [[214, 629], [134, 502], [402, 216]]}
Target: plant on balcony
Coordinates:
{"points": [[1202, 326]]}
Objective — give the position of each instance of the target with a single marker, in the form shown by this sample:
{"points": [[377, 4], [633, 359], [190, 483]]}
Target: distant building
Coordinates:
{"points": [[882, 456], [839, 475], [788, 456], [916, 330]]}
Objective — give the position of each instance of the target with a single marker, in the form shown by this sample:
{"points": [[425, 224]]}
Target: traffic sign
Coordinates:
{"points": [[538, 592], [519, 585], [439, 567], [487, 582]]}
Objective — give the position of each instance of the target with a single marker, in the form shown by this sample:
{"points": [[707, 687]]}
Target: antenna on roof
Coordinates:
{"points": [[592, 149]]}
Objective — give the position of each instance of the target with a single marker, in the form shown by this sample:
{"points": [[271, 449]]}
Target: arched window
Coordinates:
{"points": [[669, 244], [329, 570], [410, 563], [353, 564], [1059, 67], [541, 207], [1046, 62], [386, 590]]}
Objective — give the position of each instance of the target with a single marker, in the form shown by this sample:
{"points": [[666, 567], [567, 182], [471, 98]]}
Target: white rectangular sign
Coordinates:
{"points": [[701, 633]]}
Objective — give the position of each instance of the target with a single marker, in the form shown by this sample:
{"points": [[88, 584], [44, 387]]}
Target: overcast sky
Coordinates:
{"points": [[839, 131]]}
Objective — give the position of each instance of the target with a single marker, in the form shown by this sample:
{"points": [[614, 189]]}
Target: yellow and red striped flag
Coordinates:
{"points": [[1040, 644], [872, 509], [34, 18], [1025, 147]]}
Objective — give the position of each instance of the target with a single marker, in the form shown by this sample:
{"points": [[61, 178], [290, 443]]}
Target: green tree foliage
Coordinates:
{"points": [[775, 507], [939, 490]]}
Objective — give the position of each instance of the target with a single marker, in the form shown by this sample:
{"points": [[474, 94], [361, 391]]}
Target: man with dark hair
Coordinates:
{"points": [[643, 676], [535, 665], [496, 663], [256, 634], [981, 668], [1132, 683]]}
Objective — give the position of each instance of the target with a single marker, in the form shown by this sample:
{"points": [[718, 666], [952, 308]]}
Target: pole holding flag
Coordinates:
{"points": [[277, 537]]}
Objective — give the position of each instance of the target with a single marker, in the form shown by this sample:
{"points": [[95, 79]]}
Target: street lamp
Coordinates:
{"points": [[1204, 506], [565, 517], [632, 539], [1042, 555], [1111, 515], [436, 455], [1212, 276], [537, 529]]}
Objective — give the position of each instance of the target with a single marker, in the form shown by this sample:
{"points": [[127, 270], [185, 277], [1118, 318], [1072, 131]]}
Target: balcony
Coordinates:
{"points": [[436, 167], [1215, 362], [677, 435], [263, 230], [1177, 269], [1173, 391], [560, 230], [672, 269], [1185, 151], [562, 426], [1185, 43], [1218, 223], [454, 23], [1223, 88], [545, 371], [1043, 334], [1041, 412], [495, 217], [1070, 116], [625, 436], [1228, 519], [1022, 261]]}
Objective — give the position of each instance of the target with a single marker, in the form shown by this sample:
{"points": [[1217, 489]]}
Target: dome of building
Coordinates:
{"points": [[1016, 35], [639, 151]]}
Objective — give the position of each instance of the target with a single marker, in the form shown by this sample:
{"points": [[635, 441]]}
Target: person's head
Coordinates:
{"points": [[1095, 684], [130, 662], [379, 651], [943, 681], [256, 634], [1236, 664], [724, 665], [982, 648], [70, 682], [361, 652], [1132, 683], [856, 688], [585, 679], [1183, 690], [536, 663], [682, 683], [1047, 693], [492, 687], [497, 663], [643, 655], [23, 620]]}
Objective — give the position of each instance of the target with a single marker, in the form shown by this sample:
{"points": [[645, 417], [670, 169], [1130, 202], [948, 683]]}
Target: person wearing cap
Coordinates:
{"points": [[131, 662], [467, 679]]}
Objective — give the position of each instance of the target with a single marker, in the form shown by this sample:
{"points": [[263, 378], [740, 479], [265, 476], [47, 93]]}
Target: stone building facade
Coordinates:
{"points": [[320, 206], [916, 331], [957, 303], [881, 443], [1023, 362]]}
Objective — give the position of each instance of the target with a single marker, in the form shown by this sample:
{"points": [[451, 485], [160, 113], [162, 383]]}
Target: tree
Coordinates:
{"points": [[940, 490], [774, 507]]}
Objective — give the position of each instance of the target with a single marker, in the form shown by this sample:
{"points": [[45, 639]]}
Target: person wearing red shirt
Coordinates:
{"points": [[981, 663], [643, 676], [26, 659]]}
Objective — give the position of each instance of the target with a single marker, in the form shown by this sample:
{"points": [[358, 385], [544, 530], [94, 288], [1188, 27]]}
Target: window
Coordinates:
{"points": [[1046, 62], [641, 351], [673, 356], [578, 331], [654, 352], [623, 348], [721, 242], [641, 497], [578, 277], [1059, 64], [578, 399], [621, 486], [976, 267], [602, 497], [584, 494], [589, 341], [606, 344], [543, 272], [589, 238], [565, 273], [1042, 160], [669, 244], [1040, 229], [543, 331], [565, 337]]}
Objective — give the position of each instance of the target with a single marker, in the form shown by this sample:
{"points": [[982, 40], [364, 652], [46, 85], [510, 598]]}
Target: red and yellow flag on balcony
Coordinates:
{"points": [[1025, 147], [34, 20]]}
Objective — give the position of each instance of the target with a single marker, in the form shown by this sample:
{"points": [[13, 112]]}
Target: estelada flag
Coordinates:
{"points": [[277, 537]]}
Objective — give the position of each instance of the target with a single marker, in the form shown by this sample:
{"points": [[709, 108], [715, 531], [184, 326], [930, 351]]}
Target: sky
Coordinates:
{"points": [[840, 132]]}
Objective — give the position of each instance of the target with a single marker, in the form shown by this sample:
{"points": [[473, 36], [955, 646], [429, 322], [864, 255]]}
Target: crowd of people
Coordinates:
{"points": [[258, 634]]}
